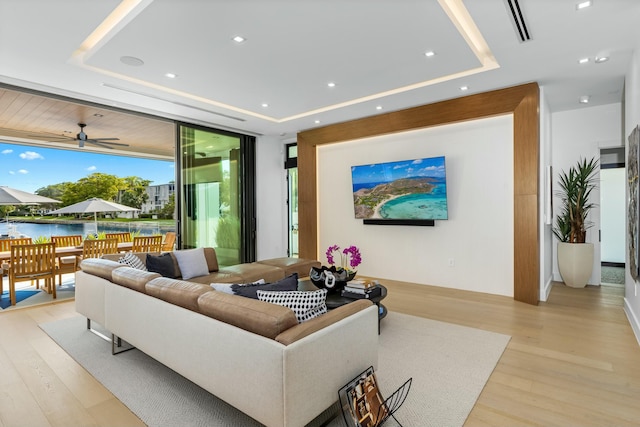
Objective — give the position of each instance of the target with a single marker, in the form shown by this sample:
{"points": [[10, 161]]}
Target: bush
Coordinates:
{"points": [[228, 233]]}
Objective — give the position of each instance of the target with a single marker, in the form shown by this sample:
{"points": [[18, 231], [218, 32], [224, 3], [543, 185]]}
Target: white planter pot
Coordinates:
{"points": [[575, 262]]}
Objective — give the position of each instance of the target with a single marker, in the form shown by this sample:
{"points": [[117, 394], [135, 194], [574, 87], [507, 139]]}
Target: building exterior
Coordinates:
{"points": [[158, 197]]}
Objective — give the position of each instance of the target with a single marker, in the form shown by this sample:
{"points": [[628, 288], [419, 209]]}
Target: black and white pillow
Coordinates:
{"points": [[305, 304], [226, 287], [132, 261]]}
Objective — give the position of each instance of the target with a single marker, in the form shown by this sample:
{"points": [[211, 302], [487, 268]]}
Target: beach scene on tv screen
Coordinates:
{"points": [[409, 189]]}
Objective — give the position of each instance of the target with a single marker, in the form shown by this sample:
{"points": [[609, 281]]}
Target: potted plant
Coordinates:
{"points": [[575, 256]]}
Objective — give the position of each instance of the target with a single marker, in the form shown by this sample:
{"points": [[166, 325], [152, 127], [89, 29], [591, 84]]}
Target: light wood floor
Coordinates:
{"points": [[572, 361]]}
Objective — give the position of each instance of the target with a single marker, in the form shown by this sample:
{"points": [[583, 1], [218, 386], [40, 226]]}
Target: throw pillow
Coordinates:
{"points": [[162, 264], [192, 262], [132, 261], [289, 283], [305, 304], [226, 287]]}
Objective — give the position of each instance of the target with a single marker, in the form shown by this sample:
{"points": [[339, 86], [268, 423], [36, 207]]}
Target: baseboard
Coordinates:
{"points": [[546, 289], [633, 319]]}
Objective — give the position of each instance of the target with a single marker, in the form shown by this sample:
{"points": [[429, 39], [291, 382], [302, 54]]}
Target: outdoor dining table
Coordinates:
{"points": [[63, 251]]}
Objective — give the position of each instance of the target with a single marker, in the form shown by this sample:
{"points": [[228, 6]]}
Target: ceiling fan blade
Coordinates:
{"points": [[105, 139], [105, 143]]}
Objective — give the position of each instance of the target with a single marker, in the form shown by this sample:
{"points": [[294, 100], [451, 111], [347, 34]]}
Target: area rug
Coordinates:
{"points": [[449, 364], [5, 299]]}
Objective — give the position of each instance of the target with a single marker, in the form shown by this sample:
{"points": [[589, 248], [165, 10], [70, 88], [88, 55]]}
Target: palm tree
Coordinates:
{"points": [[575, 190]]}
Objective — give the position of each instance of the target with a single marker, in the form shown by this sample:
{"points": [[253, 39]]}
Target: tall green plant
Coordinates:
{"points": [[575, 190]]}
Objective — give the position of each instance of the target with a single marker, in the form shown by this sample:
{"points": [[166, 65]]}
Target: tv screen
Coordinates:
{"points": [[408, 189]]}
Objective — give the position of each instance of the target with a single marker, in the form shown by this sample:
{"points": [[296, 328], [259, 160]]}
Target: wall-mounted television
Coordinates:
{"points": [[407, 190]]}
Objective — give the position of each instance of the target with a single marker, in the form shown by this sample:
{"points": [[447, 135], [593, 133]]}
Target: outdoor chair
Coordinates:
{"points": [[122, 237], [69, 263], [169, 241], [5, 246], [147, 244], [32, 262], [95, 248]]}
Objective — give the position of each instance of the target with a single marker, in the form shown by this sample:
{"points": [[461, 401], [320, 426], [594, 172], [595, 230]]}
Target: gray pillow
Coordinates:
{"points": [[289, 283], [192, 262]]}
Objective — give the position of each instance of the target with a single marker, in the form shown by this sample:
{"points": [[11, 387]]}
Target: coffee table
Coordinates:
{"points": [[335, 300]]}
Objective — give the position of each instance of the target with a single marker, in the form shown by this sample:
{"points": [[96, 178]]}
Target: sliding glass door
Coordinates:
{"points": [[217, 203]]}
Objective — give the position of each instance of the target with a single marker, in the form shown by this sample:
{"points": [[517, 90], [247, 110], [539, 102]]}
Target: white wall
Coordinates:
{"points": [[478, 236], [632, 119], [579, 134], [545, 200], [271, 199]]}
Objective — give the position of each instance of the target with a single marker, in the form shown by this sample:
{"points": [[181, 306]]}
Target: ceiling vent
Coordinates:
{"points": [[518, 20]]}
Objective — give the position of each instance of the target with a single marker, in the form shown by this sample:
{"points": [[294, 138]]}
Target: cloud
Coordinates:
{"points": [[23, 171], [91, 168], [7, 151], [30, 155], [416, 162], [12, 173]]}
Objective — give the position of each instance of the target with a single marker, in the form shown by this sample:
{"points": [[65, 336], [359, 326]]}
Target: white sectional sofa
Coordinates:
{"points": [[246, 352]]}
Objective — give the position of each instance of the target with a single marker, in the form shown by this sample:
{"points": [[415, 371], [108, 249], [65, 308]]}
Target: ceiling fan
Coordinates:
{"points": [[82, 137]]}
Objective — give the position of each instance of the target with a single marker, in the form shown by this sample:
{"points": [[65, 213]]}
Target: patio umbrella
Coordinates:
{"points": [[94, 205], [11, 196]]}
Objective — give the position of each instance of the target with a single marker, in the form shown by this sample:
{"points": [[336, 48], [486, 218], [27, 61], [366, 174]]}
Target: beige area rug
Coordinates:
{"points": [[449, 365]]}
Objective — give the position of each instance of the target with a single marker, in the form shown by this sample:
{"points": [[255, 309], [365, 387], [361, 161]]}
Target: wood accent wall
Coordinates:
{"points": [[522, 101]]}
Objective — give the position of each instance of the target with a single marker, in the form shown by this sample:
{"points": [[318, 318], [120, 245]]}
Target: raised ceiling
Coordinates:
{"points": [[275, 83]]}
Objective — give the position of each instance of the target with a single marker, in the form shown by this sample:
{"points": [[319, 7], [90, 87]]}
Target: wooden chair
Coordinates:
{"points": [[5, 246], [122, 237], [147, 244], [70, 263], [95, 248], [169, 241], [32, 262]]}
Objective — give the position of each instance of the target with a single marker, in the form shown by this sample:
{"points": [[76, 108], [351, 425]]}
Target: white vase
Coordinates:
{"points": [[575, 262]]}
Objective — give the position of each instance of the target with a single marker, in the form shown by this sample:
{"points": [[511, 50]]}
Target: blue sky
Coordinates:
{"points": [[385, 172], [28, 168]]}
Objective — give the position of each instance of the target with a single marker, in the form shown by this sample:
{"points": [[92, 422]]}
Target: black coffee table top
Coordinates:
{"points": [[334, 299]]}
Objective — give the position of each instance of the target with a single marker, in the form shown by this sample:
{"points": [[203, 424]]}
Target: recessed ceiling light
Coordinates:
{"points": [[98, 115], [584, 99], [317, 121], [171, 75], [584, 4], [131, 60], [601, 59], [583, 60], [239, 39], [331, 84], [429, 54], [265, 105], [463, 88], [379, 107]]}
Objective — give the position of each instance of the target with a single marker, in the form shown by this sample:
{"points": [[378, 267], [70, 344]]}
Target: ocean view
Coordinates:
{"points": [[418, 206]]}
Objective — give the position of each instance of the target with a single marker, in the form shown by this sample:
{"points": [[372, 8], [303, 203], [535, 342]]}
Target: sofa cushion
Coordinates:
{"points": [[163, 264], [250, 290], [305, 304], [268, 320], [252, 271], [133, 278], [132, 261], [100, 267], [217, 277], [291, 265], [192, 263], [301, 330], [212, 259], [178, 292]]}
